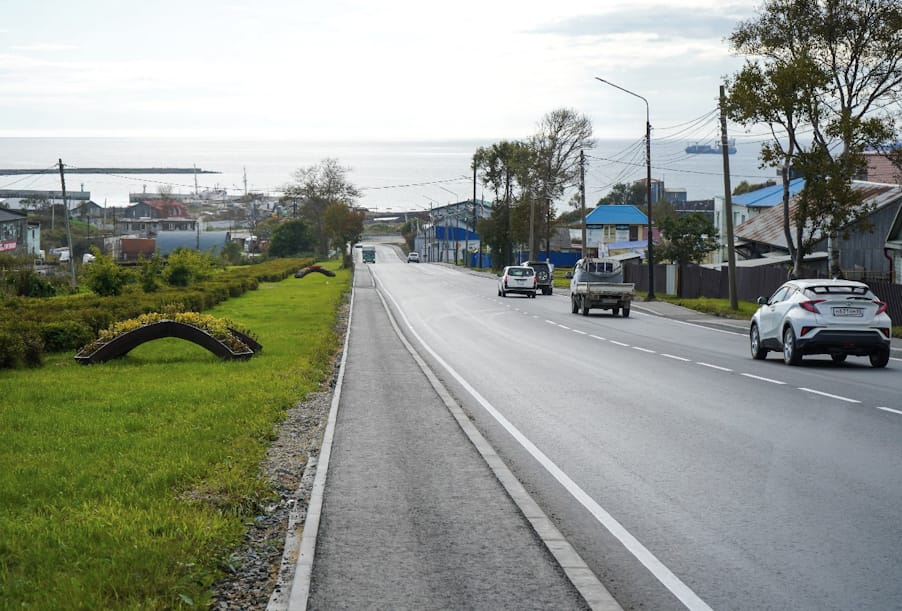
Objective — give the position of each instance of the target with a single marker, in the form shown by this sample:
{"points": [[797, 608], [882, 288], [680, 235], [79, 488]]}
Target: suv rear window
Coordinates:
{"points": [[520, 271]]}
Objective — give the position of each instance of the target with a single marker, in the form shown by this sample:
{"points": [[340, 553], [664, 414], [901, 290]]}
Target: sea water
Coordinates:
{"points": [[392, 176]]}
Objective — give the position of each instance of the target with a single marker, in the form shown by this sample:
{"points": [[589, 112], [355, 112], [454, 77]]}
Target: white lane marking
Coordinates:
{"points": [[657, 568], [826, 394], [578, 331], [717, 367], [644, 350], [749, 375], [620, 344], [889, 409], [596, 337], [550, 322], [676, 358], [564, 328]]}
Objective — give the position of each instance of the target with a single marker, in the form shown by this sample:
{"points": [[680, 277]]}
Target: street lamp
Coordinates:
{"points": [[651, 256]]}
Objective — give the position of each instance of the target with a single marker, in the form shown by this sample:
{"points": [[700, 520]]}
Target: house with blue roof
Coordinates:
{"points": [[623, 225]]}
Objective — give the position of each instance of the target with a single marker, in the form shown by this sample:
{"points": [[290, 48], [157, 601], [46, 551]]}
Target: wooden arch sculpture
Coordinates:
{"points": [[125, 342]]}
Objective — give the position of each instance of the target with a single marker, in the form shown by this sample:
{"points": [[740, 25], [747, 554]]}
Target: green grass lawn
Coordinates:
{"points": [[125, 484]]}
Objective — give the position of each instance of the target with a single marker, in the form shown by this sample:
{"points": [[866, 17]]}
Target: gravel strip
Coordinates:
{"points": [[253, 570]]}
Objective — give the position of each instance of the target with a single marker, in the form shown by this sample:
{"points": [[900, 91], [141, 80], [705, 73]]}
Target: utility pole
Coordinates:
{"points": [[582, 199], [478, 250], [68, 228], [728, 203], [245, 181]]}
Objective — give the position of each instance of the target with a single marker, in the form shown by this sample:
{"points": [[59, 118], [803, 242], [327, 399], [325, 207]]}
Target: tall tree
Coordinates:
{"points": [[687, 238], [343, 226], [500, 166], [317, 187], [290, 239], [623, 193], [556, 146], [831, 68]]}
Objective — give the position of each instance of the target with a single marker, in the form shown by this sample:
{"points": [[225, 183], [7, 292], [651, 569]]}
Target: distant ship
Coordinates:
{"points": [[714, 148]]}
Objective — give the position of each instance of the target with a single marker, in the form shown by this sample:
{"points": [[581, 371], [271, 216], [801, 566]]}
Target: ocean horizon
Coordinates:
{"points": [[392, 176]]}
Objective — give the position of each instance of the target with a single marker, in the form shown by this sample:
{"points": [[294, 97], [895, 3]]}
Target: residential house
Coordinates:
{"points": [[881, 169], [151, 217], [623, 228], [747, 206], [893, 248], [861, 254], [89, 212]]}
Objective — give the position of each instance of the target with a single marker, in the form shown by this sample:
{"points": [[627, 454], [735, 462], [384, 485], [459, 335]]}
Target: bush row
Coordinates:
{"points": [[32, 327]]}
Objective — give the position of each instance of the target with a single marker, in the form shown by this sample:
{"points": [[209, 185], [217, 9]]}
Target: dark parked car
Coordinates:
{"points": [[544, 275]]}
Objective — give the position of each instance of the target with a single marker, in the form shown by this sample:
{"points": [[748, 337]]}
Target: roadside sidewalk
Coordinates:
{"points": [[412, 514]]}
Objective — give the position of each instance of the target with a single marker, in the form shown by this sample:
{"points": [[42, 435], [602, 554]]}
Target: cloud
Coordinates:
{"points": [[42, 47], [662, 23]]}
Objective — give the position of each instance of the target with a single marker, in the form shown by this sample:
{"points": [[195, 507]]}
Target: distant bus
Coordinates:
{"points": [[369, 254]]}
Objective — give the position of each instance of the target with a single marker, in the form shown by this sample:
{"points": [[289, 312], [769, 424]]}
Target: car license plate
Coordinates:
{"points": [[848, 312]]}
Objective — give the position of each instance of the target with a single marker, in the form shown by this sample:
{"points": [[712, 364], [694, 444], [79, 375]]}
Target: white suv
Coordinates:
{"points": [[835, 317], [517, 279], [413, 257]]}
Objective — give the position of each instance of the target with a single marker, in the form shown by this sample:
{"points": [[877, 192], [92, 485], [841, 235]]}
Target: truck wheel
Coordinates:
{"points": [[615, 311], [626, 312], [574, 307], [585, 307]]}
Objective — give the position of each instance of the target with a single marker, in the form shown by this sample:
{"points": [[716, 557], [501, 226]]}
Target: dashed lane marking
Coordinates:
{"points": [[826, 394], [717, 367], [676, 358], [763, 379]]}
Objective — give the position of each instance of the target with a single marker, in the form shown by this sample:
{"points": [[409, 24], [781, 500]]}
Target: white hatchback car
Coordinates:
{"points": [[413, 257], [517, 279], [835, 317]]}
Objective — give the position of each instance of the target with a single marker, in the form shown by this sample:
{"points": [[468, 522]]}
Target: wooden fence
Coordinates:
{"points": [[694, 281]]}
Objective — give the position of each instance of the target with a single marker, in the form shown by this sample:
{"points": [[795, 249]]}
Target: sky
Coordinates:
{"points": [[357, 69]]}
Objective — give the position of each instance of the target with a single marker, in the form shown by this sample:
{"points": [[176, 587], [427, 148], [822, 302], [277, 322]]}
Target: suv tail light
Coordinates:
{"points": [[811, 305], [881, 306]]}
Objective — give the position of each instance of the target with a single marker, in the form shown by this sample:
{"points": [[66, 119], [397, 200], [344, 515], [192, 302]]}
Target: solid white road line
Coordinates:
{"points": [[657, 568], [889, 409]]}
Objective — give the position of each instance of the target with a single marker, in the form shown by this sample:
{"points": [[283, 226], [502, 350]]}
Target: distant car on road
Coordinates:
{"points": [[413, 257], [517, 279], [835, 317], [544, 275]]}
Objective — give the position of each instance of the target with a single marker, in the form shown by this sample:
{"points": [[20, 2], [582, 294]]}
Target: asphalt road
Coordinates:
{"points": [[685, 473], [412, 516]]}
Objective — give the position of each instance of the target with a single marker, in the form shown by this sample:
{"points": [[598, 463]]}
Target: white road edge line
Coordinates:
{"points": [[657, 568], [578, 572], [889, 409], [826, 394]]}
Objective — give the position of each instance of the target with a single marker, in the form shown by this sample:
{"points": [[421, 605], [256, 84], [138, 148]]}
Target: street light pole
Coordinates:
{"points": [[651, 256]]}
